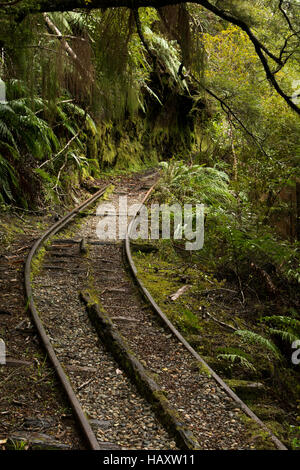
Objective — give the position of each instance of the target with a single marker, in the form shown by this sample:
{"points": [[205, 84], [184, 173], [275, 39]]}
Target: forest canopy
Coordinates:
{"points": [[209, 93], [240, 13], [198, 78]]}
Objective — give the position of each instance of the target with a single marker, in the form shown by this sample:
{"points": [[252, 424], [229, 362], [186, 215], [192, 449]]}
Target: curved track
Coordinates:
{"points": [[137, 359], [77, 409], [279, 445]]}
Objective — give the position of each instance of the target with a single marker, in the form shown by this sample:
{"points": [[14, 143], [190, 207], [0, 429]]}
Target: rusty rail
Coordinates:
{"points": [[78, 411], [279, 445]]}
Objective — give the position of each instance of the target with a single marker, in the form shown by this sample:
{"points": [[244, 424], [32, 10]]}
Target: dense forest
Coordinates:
{"points": [[209, 92]]}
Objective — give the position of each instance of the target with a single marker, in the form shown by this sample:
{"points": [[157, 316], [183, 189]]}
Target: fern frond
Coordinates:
{"points": [[7, 178], [284, 321], [285, 335], [233, 358], [6, 134], [254, 338]]}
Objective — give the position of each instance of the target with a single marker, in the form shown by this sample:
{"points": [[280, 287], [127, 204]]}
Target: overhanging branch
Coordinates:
{"points": [[228, 110], [65, 45]]}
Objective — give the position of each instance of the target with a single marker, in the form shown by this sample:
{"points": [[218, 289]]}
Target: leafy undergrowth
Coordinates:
{"points": [[29, 389], [230, 335], [239, 299]]}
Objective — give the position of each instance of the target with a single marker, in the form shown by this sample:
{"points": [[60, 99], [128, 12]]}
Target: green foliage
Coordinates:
{"points": [[7, 180], [235, 229], [287, 328], [23, 134], [168, 54], [194, 184], [51, 99], [284, 335], [239, 359], [255, 338], [283, 321], [19, 445], [296, 440]]}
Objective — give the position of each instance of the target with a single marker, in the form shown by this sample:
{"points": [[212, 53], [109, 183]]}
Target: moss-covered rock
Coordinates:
{"points": [[220, 367], [269, 412], [246, 389]]}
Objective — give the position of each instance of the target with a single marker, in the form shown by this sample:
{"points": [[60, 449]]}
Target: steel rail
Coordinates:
{"points": [[279, 445], [75, 404]]}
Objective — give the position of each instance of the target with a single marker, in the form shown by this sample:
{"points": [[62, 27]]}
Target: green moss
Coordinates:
{"points": [[125, 146], [92, 295], [108, 192], [203, 369], [158, 276], [220, 367], [247, 390], [259, 438], [8, 231], [37, 262]]}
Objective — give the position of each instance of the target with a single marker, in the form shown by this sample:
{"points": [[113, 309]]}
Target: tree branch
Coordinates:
{"points": [[286, 17], [260, 49], [9, 4], [61, 151], [85, 73], [227, 109]]}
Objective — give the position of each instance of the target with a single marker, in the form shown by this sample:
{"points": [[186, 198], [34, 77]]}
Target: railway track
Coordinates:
{"points": [[132, 380]]}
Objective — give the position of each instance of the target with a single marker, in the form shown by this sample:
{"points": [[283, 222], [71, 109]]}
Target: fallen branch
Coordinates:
{"points": [[179, 292], [241, 288], [61, 151], [85, 384], [221, 323]]}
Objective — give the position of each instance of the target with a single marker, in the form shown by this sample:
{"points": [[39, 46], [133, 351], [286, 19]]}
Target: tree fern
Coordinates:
{"points": [[7, 179], [167, 54], [6, 134], [65, 121], [196, 184], [19, 125], [254, 338]]}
